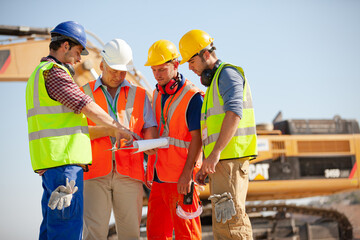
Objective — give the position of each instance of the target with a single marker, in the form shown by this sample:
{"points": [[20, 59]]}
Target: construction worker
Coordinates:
{"points": [[115, 178], [228, 134], [58, 132], [176, 104]]}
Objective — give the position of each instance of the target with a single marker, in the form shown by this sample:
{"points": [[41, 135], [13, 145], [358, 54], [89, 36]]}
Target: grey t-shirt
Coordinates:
{"points": [[231, 87]]}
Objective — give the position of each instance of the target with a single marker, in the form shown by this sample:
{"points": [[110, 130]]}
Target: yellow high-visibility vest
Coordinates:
{"points": [[57, 136], [243, 143]]}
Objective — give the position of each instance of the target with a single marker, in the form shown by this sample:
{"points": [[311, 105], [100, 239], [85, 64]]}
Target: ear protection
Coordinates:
{"points": [[171, 87], [208, 74]]}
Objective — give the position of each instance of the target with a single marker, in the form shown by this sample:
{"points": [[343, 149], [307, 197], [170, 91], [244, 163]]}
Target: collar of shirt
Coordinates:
{"points": [[111, 101], [217, 64], [99, 83], [47, 59], [54, 59]]}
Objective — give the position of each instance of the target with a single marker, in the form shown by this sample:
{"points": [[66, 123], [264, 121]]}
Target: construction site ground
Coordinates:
{"points": [[351, 211]]}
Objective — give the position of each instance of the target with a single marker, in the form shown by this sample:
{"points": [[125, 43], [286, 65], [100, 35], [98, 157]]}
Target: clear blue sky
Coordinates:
{"points": [[300, 57]]}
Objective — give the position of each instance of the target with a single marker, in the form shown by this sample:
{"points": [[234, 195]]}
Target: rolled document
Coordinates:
{"points": [[144, 145]]}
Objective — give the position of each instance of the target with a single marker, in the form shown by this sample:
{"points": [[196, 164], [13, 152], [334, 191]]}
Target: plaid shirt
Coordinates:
{"points": [[61, 87]]}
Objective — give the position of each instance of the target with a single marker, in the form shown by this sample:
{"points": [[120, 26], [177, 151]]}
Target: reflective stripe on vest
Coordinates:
{"points": [[57, 132], [170, 161], [57, 136], [243, 143], [130, 115]]}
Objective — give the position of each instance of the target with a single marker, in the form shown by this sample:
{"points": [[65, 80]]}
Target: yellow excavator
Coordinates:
{"points": [[297, 158], [22, 51]]}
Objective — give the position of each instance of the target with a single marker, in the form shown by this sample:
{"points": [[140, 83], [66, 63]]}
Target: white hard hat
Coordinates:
{"points": [[117, 54]]}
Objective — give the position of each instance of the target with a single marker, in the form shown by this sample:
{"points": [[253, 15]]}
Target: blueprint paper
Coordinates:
{"points": [[144, 145]]}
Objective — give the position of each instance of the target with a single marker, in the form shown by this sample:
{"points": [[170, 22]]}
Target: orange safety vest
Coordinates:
{"points": [[170, 162], [130, 108]]}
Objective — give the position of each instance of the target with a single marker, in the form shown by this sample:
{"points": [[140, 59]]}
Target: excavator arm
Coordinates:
{"points": [[22, 51]]}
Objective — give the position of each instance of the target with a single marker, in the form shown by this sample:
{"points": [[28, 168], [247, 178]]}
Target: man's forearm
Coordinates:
{"points": [[194, 151], [150, 133], [100, 131], [96, 114]]}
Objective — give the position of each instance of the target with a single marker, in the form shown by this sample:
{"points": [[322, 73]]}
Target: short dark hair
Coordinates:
{"points": [[55, 45]]}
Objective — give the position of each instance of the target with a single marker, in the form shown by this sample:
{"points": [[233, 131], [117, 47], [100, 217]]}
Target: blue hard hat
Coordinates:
{"points": [[72, 30]]}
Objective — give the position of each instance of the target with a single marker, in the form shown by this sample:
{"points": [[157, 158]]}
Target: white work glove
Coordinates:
{"points": [[224, 206], [61, 197]]}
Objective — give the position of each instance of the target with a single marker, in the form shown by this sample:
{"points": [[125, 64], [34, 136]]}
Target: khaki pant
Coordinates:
{"points": [[232, 176], [122, 194]]}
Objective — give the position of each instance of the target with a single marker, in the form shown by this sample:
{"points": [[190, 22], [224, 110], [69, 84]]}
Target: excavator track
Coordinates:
{"points": [[344, 226]]}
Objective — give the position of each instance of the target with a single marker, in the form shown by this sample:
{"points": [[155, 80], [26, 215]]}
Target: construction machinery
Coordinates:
{"points": [[309, 157], [297, 158], [20, 54]]}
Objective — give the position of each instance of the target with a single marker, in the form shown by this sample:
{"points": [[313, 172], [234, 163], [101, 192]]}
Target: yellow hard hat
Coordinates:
{"points": [[161, 52], [193, 42]]}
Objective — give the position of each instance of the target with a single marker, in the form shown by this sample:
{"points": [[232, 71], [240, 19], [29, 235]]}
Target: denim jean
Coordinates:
{"points": [[68, 222]]}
